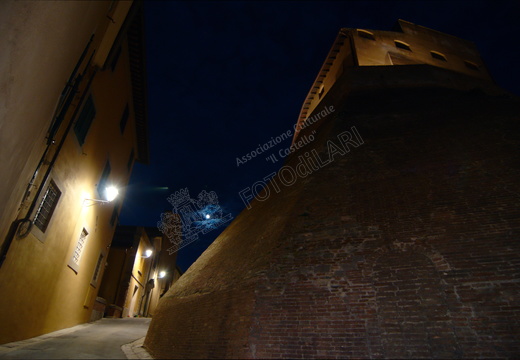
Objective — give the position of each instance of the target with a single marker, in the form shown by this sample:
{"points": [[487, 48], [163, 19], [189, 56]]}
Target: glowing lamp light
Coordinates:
{"points": [[148, 253], [162, 274], [111, 193], [208, 216]]}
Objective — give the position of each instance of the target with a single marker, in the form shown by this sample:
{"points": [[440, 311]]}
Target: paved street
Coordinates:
{"points": [[98, 340]]}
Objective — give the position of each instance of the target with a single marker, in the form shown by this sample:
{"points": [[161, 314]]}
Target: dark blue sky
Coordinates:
{"points": [[224, 77]]}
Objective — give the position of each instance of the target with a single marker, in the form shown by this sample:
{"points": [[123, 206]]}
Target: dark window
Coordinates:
{"points": [[88, 113], [402, 45], [471, 65], [366, 34], [97, 270], [130, 160], [124, 119], [438, 56], [115, 214], [47, 206], [115, 59], [103, 182]]}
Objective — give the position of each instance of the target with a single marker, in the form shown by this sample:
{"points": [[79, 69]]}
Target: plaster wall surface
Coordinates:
{"points": [[114, 274], [140, 272], [41, 291], [41, 43], [165, 262]]}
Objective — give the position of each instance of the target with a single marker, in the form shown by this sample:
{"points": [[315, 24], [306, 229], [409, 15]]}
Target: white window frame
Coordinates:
{"points": [[72, 264]]}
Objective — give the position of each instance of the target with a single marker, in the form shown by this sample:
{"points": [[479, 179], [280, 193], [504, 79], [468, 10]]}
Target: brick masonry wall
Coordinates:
{"points": [[404, 247], [212, 325]]}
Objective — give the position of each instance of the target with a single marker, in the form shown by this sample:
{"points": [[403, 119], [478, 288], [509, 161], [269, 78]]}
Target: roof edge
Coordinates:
{"points": [[136, 50]]}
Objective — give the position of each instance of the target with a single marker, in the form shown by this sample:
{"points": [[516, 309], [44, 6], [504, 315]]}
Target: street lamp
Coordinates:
{"points": [[148, 253], [162, 274], [111, 193]]}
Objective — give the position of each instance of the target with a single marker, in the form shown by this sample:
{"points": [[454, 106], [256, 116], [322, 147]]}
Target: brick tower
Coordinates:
{"points": [[392, 231]]}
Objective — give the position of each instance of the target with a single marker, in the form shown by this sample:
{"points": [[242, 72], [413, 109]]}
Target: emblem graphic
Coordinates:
{"points": [[190, 217]]}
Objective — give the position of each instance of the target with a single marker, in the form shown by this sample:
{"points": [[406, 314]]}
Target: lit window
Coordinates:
{"points": [[124, 119], [438, 56], [402, 45], [47, 206], [471, 65], [88, 113], [366, 34], [78, 250]]}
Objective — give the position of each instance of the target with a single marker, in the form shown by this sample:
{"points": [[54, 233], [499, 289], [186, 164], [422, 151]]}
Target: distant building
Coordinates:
{"points": [[73, 123], [391, 231], [139, 271]]}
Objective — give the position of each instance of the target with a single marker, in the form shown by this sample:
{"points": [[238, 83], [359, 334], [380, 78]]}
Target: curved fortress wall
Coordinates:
{"points": [[400, 241]]}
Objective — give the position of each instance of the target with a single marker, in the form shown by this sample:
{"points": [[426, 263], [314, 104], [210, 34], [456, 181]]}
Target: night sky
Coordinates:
{"points": [[224, 77]]}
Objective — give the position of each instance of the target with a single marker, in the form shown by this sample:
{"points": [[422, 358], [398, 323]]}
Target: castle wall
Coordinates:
{"points": [[408, 44], [402, 245], [383, 50]]}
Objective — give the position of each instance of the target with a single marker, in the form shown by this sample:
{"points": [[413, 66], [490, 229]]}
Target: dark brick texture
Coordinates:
{"points": [[407, 246]]}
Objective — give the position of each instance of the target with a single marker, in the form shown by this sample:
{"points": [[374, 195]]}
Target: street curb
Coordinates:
{"points": [[135, 350]]}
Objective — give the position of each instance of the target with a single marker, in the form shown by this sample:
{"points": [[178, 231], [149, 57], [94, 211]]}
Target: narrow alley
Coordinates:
{"points": [[102, 339]]}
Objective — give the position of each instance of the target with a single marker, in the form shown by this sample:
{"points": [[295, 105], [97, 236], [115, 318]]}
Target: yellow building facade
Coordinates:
{"points": [[139, 271], [55, 241]]}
